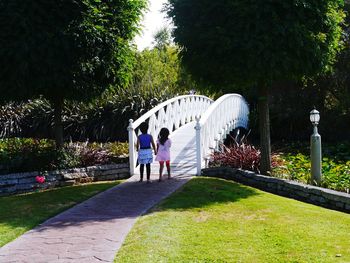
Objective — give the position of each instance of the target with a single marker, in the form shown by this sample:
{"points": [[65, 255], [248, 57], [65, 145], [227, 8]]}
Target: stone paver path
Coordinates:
{"points": [[94, 230]]}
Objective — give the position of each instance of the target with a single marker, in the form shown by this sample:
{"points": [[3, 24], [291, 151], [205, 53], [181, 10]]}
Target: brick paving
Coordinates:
{"points": [[94, 230]]}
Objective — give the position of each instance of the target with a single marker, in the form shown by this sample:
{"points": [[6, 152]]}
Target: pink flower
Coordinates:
{"points": [[40, 179]]}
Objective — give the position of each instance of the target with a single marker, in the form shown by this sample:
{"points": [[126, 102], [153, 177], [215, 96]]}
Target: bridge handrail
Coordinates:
{"points": [[148, 114], [179, 110], [217, 104], [225, 114]]}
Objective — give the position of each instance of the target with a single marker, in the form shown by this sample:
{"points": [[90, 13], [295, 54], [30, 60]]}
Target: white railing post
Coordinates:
{"points": [[198, 146], [131, 148]]}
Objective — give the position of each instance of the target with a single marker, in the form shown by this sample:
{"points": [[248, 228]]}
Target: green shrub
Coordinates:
{"points": [[90, 154], [293, 167], [26, 154], [336, 175], [66, 158], [335, 166], [18, 155], [118, 148]]}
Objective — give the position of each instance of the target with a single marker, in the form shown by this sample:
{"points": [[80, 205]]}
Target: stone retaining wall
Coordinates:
{"points": [[306, 193], [25, 182]]}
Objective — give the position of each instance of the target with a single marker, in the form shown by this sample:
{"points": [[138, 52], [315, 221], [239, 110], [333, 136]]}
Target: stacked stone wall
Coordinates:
{"points": [[306, 193], [25, 182]]}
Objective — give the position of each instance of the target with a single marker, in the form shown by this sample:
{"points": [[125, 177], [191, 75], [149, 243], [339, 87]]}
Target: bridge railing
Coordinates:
{"points": [[230, 111], [171, 114]]}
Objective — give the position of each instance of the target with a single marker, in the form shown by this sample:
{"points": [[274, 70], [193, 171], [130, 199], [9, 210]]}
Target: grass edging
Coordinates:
{"points": [[307, 193]]}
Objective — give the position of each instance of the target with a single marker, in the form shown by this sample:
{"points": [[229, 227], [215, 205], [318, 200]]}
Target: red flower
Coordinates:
{"points": [[40, 179]]}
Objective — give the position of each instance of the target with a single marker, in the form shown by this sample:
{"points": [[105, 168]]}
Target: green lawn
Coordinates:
{"points": [[214, 220], [21, 213]]}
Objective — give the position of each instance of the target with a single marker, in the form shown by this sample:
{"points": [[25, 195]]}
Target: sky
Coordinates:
{"points": [[153, 21]]}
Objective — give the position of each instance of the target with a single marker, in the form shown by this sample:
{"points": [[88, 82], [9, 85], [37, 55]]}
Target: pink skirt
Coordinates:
{"points": [[163, 156]]}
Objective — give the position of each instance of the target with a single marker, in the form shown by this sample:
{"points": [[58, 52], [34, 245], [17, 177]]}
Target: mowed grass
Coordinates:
{"points": [[214, 220], [21, 213]]}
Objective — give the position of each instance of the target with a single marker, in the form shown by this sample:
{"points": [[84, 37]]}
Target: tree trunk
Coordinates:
{"points": [[58, 126], [264, 127]]}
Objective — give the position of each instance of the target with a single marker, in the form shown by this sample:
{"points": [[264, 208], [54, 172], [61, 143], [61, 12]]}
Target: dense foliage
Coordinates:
{"points": [[24, 155], [291, 101], [295, 165], [157, 76], [257, 43], [65, 49], [238, 41]]}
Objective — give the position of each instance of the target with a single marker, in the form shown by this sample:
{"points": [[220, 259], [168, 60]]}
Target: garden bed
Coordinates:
{"points": [[27, 154], [292, 162], [28, 164], [295, 165]]}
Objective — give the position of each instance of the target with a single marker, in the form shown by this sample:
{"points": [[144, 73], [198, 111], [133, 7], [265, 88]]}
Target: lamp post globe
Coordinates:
{"points": [[314, 116], [316, 153]]}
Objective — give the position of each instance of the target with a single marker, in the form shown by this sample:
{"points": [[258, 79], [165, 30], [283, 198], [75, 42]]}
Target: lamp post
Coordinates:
{"points": [[316, 170]]}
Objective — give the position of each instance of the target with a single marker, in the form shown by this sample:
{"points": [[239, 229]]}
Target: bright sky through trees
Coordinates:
{"points": [[153, 20]]}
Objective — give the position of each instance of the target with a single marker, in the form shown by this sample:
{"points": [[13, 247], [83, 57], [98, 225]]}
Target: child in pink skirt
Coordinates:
{"points": [[163, 151]]}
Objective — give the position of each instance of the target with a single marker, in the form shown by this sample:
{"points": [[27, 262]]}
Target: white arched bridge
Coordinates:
{"points": [[197, 126]]}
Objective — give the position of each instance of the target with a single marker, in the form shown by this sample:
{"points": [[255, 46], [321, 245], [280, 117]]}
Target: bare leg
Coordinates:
{"points": [[148, 170], [168, 169], [161, 166], [141, 172]]}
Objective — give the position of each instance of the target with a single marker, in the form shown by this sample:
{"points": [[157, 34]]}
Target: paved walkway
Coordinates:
{"points": [[94, 230]]}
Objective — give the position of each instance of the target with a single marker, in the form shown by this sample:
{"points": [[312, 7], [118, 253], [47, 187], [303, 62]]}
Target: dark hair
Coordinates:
{"points": [[144, 127], [163, 135]]}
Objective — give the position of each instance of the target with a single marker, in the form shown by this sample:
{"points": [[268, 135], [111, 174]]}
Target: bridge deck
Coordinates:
{"points": [[183, 152]]}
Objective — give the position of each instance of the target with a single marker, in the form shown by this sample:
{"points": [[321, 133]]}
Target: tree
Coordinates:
{"points": [[156, 69], [256, 43], [329, 92], [160, 67], [65, 49], [162, 38]]}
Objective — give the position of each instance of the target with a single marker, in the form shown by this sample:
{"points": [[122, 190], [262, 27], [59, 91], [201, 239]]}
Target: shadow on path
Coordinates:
{"points": [[94, 230]]}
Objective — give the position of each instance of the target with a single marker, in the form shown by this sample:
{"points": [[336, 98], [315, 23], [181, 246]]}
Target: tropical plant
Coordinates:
{"points": [[11, 116], [243, 155]]}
